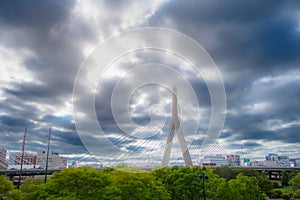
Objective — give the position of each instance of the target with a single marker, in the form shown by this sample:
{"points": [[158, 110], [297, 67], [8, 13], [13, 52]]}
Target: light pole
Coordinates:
{"points": [[22, 158], [47, 159], [203, 176]]}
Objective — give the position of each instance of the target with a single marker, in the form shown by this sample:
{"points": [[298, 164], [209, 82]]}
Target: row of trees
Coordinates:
{"points": [[180, 183]]}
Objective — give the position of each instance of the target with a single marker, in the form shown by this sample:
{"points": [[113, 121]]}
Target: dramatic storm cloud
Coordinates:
{"points": [[255, 45]]}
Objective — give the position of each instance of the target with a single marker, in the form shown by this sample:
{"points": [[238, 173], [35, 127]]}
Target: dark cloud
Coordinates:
{"points": [[66, 137], [248, 37], [60, 121], [38, 27], [249, 40], [35, 13], [136, 148], [14, 121], [246, 145]]}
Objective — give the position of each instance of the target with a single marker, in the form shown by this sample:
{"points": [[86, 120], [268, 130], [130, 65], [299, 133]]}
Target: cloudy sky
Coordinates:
{"points": [[49, 51]]}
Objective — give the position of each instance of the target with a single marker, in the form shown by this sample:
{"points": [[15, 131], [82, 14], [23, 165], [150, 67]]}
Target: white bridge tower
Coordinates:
{"points": [[175, 125]]}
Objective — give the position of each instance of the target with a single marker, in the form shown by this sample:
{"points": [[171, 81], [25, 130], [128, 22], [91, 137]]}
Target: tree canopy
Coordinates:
{"points": [[180, 183], [295, 181], [7, 190]]}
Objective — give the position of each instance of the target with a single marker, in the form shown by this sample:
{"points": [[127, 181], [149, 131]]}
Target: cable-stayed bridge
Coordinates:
{"points": [[189, 147]]}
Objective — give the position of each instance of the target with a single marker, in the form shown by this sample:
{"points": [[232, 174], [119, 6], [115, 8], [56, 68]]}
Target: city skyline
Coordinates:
{"points": [[36, 160], [255, 46]]}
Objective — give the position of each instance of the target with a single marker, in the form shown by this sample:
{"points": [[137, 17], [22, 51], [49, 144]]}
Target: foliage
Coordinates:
{"points": [[14, 195], [281, 192], [31, 184], [286, 177], [242, 188], [225, 172], [90, 183], [296, 194], [7, 190], [5, 186], [229, 173], [275, 193], [31, 188], [184, 183], [265, 184], [180, 183], [125, 168], [247, 172], [80, 183], [136, 186], [295, 181]]}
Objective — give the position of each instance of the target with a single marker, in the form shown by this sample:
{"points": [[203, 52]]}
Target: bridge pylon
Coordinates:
{"points": [[175, 125]]}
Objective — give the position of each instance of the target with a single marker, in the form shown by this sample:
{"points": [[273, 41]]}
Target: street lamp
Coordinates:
{"points": [[203, 176]]}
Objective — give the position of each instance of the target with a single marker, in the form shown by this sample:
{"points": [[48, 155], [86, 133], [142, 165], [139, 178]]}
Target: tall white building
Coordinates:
{"points": [[54, 160]]}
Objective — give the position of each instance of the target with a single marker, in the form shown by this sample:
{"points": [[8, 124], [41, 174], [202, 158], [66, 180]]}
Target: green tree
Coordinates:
{"points": [[214, 187], [131, 186], [225, 172], [248, 172], [296, 195], [14, 194], [6, 188], [80, 183], [32, 187], [295, 181], [286, 177], [265, 184], [31, 184], [182, 183], [90, 183], [5, 185], [241, 188]]}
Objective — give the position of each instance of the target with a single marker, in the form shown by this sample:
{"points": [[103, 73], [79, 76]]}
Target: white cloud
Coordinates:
{"points": [[274, 81], [12, 67], [277, 124], [256, 108], [110, 21]]}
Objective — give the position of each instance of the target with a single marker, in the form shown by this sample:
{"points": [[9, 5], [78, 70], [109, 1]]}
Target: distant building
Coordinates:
{"points": [[54, 160], [214, 160], [283, 161], [272, 157], [273, 160], [233, 160], [28, 159], [16, 157], [263, 163], [3, 164], [296, 162], [12, 158], [257, 163], [64, 161]]}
